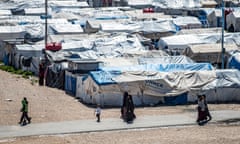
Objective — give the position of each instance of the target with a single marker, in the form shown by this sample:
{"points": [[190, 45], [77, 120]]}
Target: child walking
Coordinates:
{"points": [[98, 112]]}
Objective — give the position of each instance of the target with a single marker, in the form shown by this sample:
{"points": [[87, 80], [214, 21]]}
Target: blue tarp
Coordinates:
{"points": [[111, 17], [234, 61], [162, 67], [104, 77], [70, 84], [176, 100], [6, 59]]}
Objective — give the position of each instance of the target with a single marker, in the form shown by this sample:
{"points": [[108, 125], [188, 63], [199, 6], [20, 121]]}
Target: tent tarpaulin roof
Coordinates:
{"points": [[208, 52], [12, 32], [162, 67], [66, 28], [165, 84], [228, 78], [166, 60], [177, 3], [183, 41]]}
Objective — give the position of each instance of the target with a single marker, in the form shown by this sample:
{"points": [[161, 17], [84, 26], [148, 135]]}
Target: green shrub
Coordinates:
{"points": [[25, 74]]}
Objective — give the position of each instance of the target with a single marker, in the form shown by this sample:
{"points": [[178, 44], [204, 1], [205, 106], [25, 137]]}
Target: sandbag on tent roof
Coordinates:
{"points": [[162, 67], [165, 60]]}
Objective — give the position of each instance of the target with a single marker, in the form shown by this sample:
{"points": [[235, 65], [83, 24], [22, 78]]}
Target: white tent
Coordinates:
{"points": [[30, 53], [12, 32], [233, 21], [199, 31], [140, 3], [225, 88], [68, 4], [5, 12], [150, 88], [66, 28], [146, 87], [177, 43], [34, 11], [187, 22], [138, 15], [208, 52], [215, 18], [177, 3]]}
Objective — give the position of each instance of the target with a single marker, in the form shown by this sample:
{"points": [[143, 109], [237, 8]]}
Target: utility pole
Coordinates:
{"points": [[223, 27], [46, 23]]}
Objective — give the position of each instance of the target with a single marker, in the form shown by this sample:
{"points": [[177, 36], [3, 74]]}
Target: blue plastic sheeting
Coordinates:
{"points": [[104, 77], [109, 17], [176, 100], [162, 67], [23, 23], [70, 84], [185, 67], [82, 22], [234, 61], [6, 59]]}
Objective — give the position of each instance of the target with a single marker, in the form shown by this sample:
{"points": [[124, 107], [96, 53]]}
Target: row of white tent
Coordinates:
{"points": [[152, 88]]}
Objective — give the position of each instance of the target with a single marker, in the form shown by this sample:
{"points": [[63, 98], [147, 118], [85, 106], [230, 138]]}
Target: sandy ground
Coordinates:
{"points": [[52, 105]]}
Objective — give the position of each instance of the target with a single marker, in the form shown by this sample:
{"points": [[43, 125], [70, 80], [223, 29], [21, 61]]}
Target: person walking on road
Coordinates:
{"points": [[41, 74], [208, 115], [98, 113], [203, 112], [24, 111]]}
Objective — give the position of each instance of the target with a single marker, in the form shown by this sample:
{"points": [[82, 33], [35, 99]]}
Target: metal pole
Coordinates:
{"points": [[46, 22], [223, 26]]}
